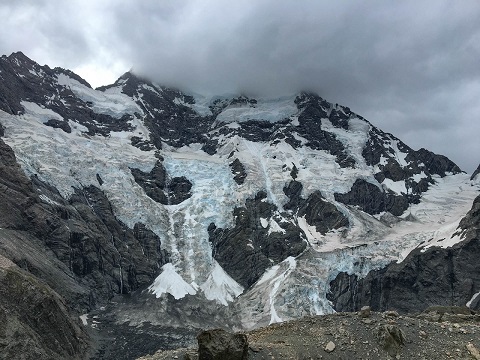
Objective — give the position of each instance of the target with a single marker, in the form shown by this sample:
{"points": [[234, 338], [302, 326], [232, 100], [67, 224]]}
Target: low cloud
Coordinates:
{"points": [[409, 67]]}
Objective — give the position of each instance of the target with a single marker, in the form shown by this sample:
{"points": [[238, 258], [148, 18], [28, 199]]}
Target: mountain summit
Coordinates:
{"points": [[223, 211]]}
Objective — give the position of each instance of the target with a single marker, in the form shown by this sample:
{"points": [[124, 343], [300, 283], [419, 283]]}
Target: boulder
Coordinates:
{"points": [[330, 347], [219, 344], [365, 312], [390, 337]]}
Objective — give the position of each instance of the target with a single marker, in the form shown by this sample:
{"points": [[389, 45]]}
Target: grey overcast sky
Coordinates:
{"points": [[411, 68]]}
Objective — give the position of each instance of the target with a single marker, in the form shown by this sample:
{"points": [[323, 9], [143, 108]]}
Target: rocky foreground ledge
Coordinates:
{"points": [[437, 333]]}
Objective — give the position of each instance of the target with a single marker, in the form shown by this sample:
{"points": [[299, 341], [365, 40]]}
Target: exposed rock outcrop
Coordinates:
{"points": [[34, 322], [390, 337], [313, 109], [59, 124], [247, 249], [475, 173], [238, 171], [317, 211], [374, 200], [158, 186], [436, 164]]}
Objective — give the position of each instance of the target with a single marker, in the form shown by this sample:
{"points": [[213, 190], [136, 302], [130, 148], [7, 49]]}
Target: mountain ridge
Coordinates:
{"points": [[253, 205]]}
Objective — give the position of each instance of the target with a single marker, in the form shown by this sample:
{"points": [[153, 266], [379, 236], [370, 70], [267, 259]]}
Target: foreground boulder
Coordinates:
{"points": [[220, 345], [390, 337]]}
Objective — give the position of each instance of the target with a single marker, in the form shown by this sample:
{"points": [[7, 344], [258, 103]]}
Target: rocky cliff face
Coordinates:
{"points": [[34, 321], [101, 253], [435, 276], [240, 207]]}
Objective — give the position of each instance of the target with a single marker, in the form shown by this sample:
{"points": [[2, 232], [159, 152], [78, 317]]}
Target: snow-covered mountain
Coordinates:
{"points": [[249, 207]]}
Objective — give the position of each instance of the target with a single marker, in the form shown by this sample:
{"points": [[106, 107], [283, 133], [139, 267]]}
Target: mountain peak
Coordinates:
{"points": [[20, 59]]}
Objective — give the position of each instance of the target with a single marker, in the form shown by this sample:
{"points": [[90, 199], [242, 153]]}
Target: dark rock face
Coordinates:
{"points": [[160, 188], [475, 173], [377, 146], [127, 259], [339, 117], [34, 322], [85, 235], [314, 108], [247, 250], [322, 214], [142, 144], [373, 200], [294, 193], [238, 171], [220, 345], [59, 125], [153, 183], [437, 276], [469, 226], [436, 164], [316, 210], [99, 179], [260, 131], [15, 190], [294, 172]]}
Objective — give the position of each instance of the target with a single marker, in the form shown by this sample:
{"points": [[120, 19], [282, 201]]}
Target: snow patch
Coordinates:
{"points": [[40, 113], [331, 241], [110, 102], [264, 222], [48, 200], [277, 282], [398, 187], [418, 177], [472, 299], [220, 286], [274, 227], [84, 319], [169, 281], [310, 231], [271, 110]]}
